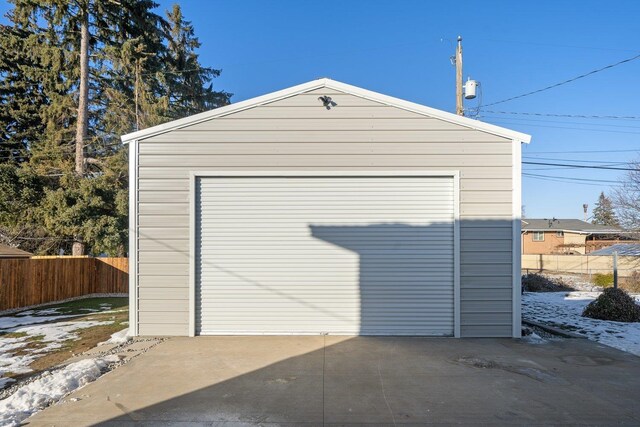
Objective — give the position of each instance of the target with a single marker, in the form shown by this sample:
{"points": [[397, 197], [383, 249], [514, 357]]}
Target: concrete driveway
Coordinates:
{"points": [[329, 380]]}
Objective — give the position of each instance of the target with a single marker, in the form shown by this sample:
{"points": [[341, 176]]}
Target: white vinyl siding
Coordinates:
{"points": [[367, 138], [342, 255]]}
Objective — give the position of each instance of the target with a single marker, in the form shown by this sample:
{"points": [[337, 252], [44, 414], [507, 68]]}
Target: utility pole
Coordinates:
{"points": [[459, 106], [615, 269]]}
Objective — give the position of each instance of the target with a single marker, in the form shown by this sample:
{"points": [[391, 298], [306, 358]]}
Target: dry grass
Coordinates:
{"points": [[88, 338], [632, 283]]}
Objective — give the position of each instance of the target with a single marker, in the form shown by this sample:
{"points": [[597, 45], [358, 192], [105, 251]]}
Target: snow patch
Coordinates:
{"points": [[52, 335], [60, 331], [39, 394], [534, 338], [42, 312], [119, 337], [564, 310], [29, 319]]}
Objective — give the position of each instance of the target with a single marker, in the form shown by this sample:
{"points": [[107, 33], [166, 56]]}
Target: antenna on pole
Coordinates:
{"points": [[585, 207], [458, 61]]}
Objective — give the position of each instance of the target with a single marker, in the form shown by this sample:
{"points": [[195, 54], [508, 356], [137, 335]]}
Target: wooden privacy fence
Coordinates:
{"points": [[39, 280], [581, 264]]}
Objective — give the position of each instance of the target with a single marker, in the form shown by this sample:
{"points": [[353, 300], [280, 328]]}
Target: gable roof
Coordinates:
{"points": [[11, 252], [575, 225], [329, 84]]}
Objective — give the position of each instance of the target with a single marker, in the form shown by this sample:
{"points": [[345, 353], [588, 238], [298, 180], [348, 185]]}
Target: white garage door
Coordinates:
{"points": [[308, 255]]}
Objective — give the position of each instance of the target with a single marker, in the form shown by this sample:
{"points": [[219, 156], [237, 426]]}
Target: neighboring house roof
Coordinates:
{"points": [[575, 225], [626, 249], [329, 84], [10, 252]]}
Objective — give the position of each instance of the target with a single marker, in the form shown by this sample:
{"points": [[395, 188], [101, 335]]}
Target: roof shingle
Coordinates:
{"points": [[554, 224], [10, 252]]}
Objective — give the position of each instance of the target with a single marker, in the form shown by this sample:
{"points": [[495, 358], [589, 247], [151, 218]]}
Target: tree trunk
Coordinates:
{"points": [[83, 110], [78, 247]]}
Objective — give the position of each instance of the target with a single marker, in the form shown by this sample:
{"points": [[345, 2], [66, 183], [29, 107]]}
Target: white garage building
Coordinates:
{"points": [[325, 208]]}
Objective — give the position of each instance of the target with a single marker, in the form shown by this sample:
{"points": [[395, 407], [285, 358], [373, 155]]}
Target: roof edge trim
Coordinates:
{"points": [[330, 84]]}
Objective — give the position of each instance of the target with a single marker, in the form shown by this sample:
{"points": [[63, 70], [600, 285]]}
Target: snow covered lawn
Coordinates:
{"points": [[54, 333], [564, 309]]}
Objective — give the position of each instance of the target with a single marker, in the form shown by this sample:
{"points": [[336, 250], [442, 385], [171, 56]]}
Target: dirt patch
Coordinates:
{"points": [[113, 310], [89, 338]]}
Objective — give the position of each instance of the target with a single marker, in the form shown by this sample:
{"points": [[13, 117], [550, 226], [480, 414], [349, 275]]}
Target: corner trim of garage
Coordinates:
{"points": [[133, 239], [194, 175], [516, 204]]}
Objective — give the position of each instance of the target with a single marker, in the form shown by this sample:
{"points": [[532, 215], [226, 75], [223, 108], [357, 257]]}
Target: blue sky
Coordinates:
{"points": [[402, 49]]}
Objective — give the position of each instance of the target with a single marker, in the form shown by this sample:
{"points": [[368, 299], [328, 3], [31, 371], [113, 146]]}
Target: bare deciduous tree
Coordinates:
{"points": [[627, 199]]}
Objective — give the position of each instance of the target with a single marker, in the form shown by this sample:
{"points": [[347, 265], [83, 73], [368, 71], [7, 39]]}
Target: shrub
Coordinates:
{"points": [[538, 283], [603, 280], [613, 304]]}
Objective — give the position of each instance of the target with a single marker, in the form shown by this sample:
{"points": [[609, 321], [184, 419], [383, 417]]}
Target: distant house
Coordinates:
{"points": [[568, 236], [9, 252]]}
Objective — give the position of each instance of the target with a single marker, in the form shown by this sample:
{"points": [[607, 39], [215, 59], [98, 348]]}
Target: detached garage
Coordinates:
{"points": [[325, 209]]}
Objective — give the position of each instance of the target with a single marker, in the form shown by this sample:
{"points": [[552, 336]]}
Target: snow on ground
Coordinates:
{"points": [[576, 282], [39, 394], [31, 317], [564, 310], [119, 337], [32, 334], [59, 331], [534, 338]]}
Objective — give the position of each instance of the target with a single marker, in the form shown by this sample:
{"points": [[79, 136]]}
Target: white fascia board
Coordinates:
{"points": [[223, 111], [329, 84], [431, 112]]}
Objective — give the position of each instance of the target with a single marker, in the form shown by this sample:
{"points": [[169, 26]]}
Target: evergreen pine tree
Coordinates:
{"points": [[189, 86], [603, 212], [142, 71]]}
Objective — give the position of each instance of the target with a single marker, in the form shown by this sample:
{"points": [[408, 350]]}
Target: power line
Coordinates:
{"points": [[575, 179], [579, 166], [577, 116], [586, 151], [561, 180], [501, 120], [549, 121], [600, 162], [573, 79]]}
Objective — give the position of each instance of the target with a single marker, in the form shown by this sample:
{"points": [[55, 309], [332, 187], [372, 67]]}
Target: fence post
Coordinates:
{"points": [[615, 269]]}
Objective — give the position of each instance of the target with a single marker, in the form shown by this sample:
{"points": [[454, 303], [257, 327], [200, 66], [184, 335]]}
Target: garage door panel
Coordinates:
{"points": [[356, 255]]}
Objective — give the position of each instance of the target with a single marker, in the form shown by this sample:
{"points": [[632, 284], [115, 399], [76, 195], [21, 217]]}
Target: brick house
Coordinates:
{"points": [[568, 236]]}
